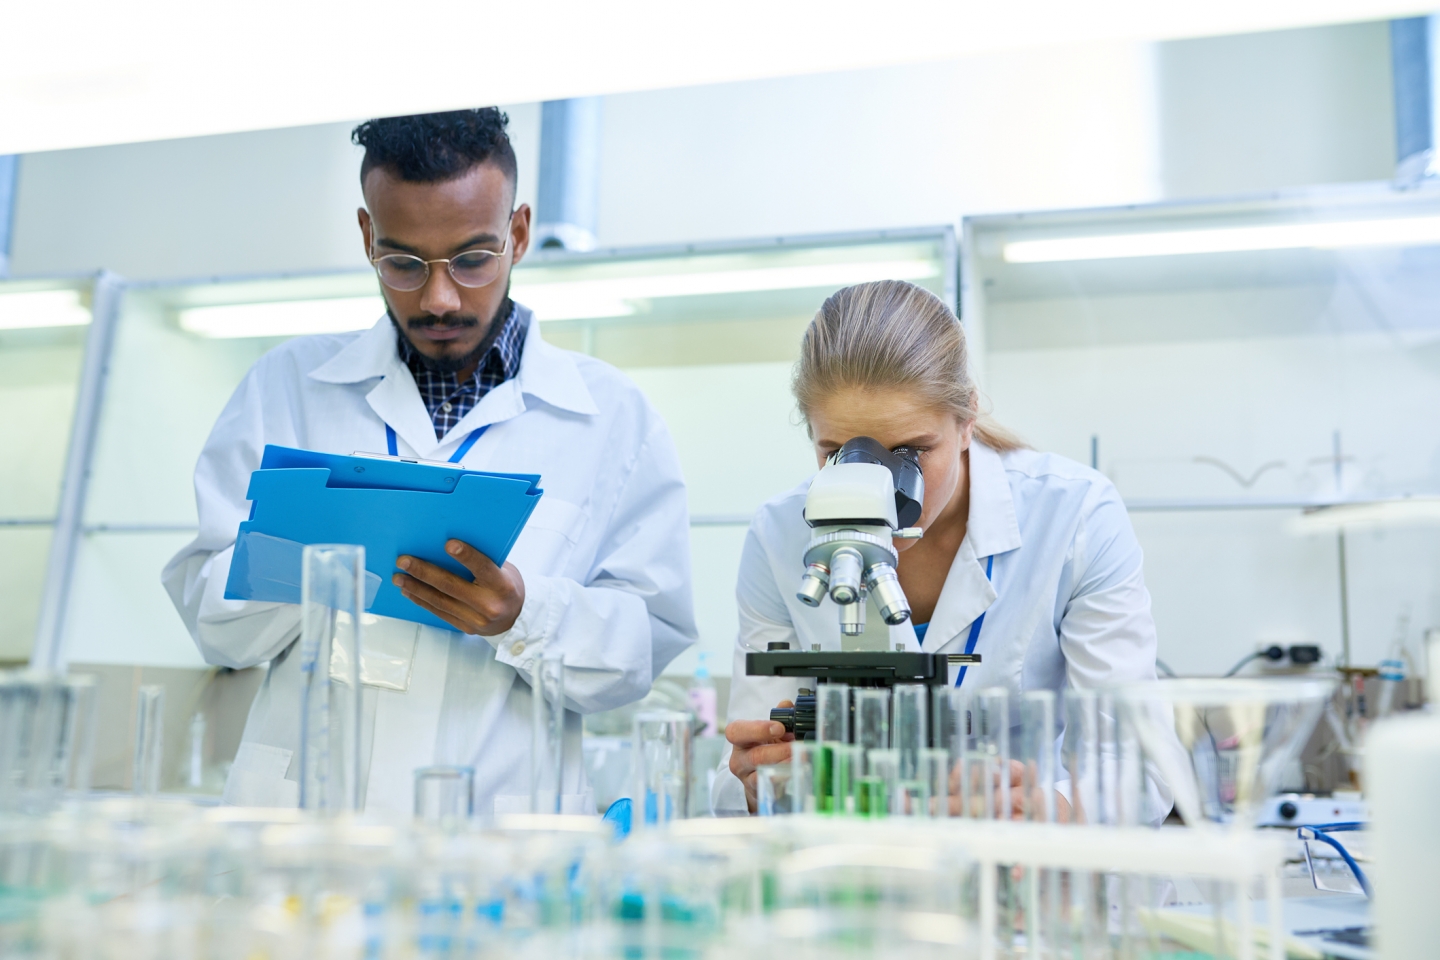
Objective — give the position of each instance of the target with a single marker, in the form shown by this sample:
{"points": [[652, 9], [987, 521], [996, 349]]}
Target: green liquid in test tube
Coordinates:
{"points": [[871, 797]]}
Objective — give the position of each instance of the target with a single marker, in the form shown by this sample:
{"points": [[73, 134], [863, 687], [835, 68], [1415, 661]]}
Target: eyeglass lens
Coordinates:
{"points": [[475, 268]]}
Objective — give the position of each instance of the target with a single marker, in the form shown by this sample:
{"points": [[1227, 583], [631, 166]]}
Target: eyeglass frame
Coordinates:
{"points": [[375, 261]]}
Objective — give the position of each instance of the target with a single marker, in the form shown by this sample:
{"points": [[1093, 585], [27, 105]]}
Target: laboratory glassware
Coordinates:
{"points": [[1036, 753], [772, 789], [872, 719], [847, 762], [662, 766], [1080, 754], [1222, 744], [909, 727], [547, 732], [332, 612], [149, 739], [444, 794], [878, 792], [990, 773], [809, 775]]}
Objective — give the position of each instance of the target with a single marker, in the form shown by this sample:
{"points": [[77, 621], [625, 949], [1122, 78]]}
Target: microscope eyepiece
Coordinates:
{"points": [[904, 466]]}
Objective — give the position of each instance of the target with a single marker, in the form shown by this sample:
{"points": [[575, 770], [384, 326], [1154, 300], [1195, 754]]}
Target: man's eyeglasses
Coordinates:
{"points": [[473, 268]]}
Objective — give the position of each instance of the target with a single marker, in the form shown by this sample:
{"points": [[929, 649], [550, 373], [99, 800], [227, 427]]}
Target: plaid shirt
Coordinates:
{"points": [[447, 399]]}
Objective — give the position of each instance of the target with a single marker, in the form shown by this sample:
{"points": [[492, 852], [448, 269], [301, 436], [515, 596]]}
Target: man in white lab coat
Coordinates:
{"points": [[455, 371]]}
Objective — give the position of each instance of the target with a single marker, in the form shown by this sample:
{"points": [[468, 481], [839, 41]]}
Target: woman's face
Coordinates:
{"points": [[896, 418]]}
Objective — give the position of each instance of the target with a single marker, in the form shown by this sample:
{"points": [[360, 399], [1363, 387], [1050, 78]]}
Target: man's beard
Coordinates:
{"points": [[449, 364]]}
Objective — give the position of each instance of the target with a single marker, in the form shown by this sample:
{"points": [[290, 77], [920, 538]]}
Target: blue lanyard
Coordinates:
{"points": [[392, 445], [979, 621]]}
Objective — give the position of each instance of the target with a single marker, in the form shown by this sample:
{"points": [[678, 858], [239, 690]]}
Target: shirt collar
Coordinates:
{"points": [[546, 372], [992, 527]]}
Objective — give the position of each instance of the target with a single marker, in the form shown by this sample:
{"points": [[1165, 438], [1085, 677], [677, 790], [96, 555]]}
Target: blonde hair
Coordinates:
{"points": [[893, 334]]}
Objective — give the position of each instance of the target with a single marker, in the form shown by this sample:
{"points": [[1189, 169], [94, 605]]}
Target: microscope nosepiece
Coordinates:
{"points": [[882, 581], [814, 585], [846, 568]]}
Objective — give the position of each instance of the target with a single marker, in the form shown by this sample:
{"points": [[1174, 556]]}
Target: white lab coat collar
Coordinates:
{"points": [[546, 373], [990, 529]]}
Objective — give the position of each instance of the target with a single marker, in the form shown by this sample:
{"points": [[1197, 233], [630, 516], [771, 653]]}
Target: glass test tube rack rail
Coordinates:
{"points": [[156, 879]]}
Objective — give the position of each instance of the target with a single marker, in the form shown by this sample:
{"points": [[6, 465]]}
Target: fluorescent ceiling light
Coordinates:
{"points": [[42, 308], [285, 318], [1396, 231], [1403, 512], [593, 299]]}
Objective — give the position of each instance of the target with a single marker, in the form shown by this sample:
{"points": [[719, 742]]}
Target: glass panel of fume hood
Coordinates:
{"points": [[709, 332], [1242, 358], [42, 344]]}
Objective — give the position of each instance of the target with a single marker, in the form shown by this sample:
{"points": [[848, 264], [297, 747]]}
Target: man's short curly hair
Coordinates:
{"points": [[433, 147]]}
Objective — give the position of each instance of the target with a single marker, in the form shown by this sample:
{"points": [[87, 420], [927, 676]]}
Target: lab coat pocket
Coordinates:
{"points": [[257, 778], [387, 648], [550, 534]]}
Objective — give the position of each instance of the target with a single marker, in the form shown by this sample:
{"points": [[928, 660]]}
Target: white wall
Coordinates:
{"points": [[893, 147]]}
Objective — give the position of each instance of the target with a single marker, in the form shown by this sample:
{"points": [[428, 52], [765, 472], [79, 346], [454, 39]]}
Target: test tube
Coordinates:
{"points": [[992, 742], [662, 766], [832, 729], [910, 729], [809, 776], [1080, 755], [1036, 752], [847, 765], [772, 789], [935, 772], [547, 733], [149, 739], [332, 589], [877, 792], [81, 725], [444, 794], [872, 719]]}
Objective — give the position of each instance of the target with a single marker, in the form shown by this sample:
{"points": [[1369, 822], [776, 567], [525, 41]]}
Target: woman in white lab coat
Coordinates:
{"points": [[1027, 557]]}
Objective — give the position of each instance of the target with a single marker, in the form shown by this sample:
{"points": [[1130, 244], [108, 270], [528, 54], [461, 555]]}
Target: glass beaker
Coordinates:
{"points": [[662, 766], [444, 794], [332, 608], [547, 732]]}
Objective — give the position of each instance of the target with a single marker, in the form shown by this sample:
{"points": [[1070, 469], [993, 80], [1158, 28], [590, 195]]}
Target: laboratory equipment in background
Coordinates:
{"points": [[547, 733], [149, 739], [662, 767], [47, 739], [1236, 736], [331, 617]]}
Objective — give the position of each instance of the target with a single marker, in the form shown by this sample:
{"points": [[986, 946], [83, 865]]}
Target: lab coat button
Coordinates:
{"points": [[517, 648]]}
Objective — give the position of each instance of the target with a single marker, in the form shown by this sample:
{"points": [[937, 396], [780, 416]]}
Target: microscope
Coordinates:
{"points": [[863, 499]]}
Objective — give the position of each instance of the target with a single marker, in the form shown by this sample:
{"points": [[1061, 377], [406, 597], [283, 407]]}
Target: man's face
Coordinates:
{"points": [[445, 322]]}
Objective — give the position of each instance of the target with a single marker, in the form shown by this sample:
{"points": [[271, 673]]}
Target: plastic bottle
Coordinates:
{"points": [[1402, 780], [1395, 667], [703, 699]]}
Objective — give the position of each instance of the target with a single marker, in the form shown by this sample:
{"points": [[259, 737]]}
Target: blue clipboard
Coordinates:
{"points": [[388, 505]]}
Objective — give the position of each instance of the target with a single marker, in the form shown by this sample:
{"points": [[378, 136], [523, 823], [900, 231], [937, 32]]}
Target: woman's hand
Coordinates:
{"points": [[1017, 795], [756, 743]]}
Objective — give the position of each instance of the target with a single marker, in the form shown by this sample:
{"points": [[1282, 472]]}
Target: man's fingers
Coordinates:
{"points": [[437, 577], [441, 604], [480, 566], [447, 617]]}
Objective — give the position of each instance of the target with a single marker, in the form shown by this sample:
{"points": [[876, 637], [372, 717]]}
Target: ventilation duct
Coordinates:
{"points": [[1413, 42], [569, 194]]}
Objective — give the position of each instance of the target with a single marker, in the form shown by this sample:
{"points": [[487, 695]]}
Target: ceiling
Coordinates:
{"points": [[88, 73]]}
